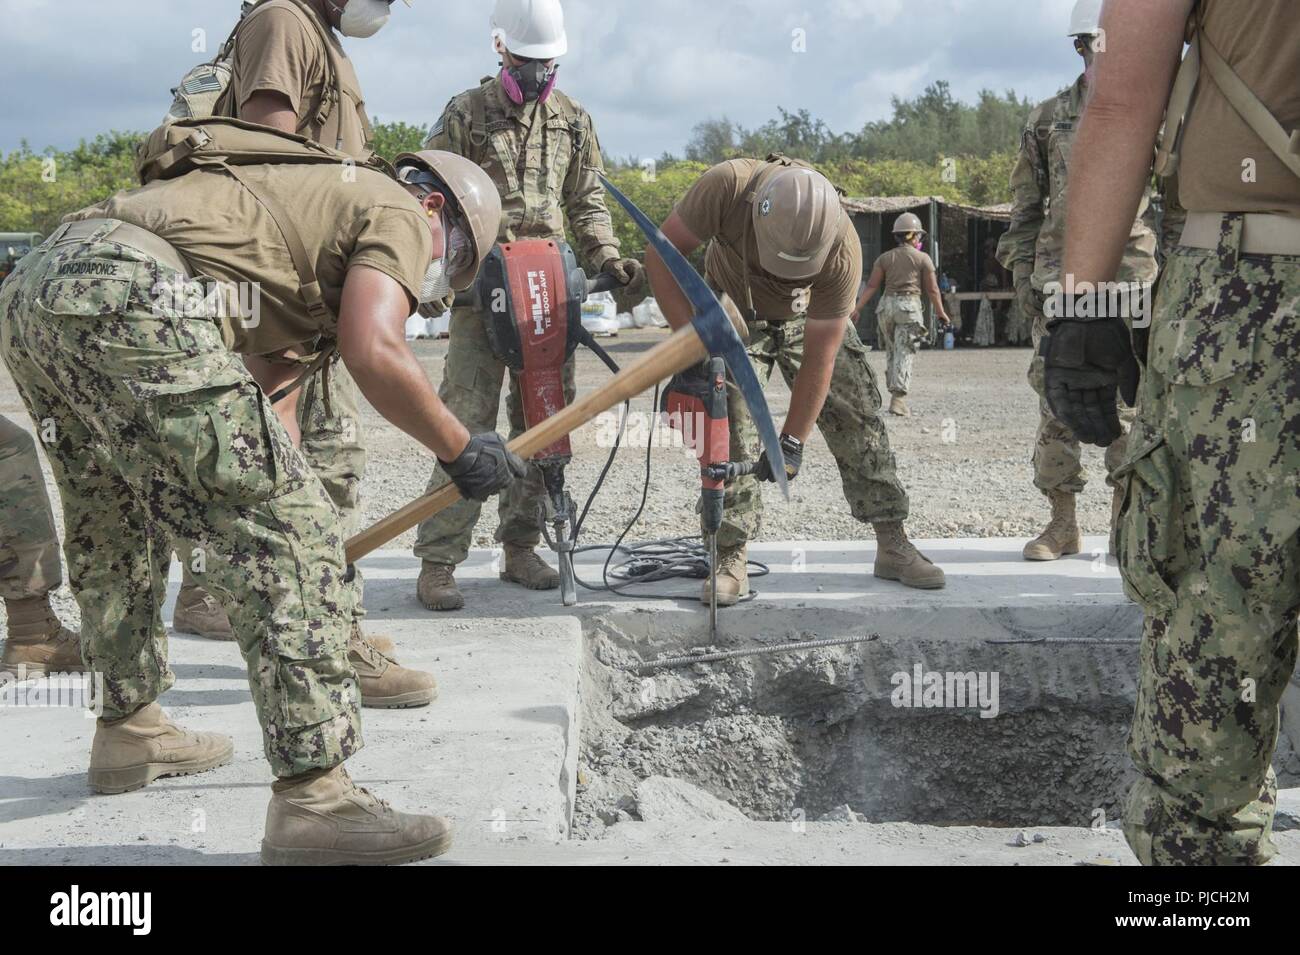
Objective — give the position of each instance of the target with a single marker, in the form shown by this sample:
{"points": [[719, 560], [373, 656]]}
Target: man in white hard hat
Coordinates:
{"points": [[1032, 249], [906, 273], [781, 245], [540, 148]]}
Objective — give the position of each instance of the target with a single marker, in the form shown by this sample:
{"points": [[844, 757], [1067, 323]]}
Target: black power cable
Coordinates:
{"points": [[653, 561]]}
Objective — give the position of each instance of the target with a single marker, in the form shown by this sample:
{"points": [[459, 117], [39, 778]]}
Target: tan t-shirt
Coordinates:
{"points": [[227, 236], [715, 211], [279, 51], [1258, 39], [905, 268]]}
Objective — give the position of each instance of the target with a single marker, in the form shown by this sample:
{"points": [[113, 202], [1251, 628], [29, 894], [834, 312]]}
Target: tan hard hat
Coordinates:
{"points": [[477, 204], [908, 222], [797, 218]]}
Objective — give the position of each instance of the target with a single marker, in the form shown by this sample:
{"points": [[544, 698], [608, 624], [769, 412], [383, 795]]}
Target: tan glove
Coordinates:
{"points": [[629, 272], [436, 309]]}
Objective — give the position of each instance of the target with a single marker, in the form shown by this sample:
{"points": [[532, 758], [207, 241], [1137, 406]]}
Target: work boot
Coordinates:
{"points": [[1061, 538], [437, 588], [323, 818], [134, 751], [385, 685], [899, 407], [37, 644], [898, 559], [524, 566], [733, 577], [198, 612]]}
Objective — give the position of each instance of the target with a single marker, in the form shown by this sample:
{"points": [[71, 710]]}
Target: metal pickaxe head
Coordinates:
{"points": [[719, 336]]}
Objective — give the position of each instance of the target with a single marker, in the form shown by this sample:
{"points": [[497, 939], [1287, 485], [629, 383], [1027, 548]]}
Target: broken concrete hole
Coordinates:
{"points": [[934, 722]]}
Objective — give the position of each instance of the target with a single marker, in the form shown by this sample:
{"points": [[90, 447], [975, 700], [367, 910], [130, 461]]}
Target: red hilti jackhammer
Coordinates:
{"points": [[695, 403], [532, 293]]}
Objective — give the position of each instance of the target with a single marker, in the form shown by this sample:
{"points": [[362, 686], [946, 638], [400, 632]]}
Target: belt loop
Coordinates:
{"points": [[1231, 232]]}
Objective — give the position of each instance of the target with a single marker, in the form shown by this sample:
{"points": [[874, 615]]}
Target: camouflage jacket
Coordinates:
{"points": [[1039, 184], [544, 158]]}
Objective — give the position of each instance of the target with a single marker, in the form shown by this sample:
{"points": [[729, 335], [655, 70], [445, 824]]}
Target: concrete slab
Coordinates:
{"points": [[498, 751], [821, 844]]}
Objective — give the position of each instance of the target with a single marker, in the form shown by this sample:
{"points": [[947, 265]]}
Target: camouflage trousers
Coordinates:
{"points": [[900, 322], [1209, 545], [850, 422], [1058, 458], [332, 446], [29, 545], [471, 390], [159, 433]]}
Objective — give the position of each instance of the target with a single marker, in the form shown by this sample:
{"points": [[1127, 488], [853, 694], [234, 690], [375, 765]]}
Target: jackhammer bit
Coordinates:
{"points": [[558, 510]]}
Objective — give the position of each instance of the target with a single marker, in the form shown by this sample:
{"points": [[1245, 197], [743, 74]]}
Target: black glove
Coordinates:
{"points": [[791, 450], [485, 467], [1085, 362], [629, 272]]}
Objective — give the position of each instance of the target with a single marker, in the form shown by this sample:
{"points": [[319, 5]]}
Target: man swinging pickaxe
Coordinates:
{"points": [[712, 332]]}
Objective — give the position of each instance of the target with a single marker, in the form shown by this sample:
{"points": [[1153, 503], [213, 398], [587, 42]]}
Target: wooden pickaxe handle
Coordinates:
{"points": [[682, 350]]}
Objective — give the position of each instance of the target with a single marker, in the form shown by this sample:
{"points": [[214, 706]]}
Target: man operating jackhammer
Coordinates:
{"points": [[781, 246], [161, 432], [539, 146]]}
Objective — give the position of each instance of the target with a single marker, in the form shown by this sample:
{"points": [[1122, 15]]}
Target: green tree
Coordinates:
{"points": [[390, 140], [39, 190]]}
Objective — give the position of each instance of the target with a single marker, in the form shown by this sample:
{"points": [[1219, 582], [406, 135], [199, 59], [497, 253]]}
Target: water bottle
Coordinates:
{"points": [[949, 340]]}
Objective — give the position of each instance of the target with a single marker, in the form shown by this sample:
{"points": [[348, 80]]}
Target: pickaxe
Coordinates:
{"points": [[711, 332]]}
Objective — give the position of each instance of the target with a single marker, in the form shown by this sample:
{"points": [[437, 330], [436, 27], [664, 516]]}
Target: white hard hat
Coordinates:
{"points": [[1086, 18], [531, 28]]}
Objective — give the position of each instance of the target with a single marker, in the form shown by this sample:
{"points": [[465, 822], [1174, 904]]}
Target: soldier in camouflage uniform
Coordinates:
{"points": [[36, 643], [780, 243], [290, 72], [1032, 250], [160, 432], [540, 148], [1209, 532]]}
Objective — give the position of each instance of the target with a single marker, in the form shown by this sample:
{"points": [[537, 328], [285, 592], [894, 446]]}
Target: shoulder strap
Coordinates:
{"points": [[333, 75], [478, 116], [1180, 103], [308, 284], [1286, 146]]}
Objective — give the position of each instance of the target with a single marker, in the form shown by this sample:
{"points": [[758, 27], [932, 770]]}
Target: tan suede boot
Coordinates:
{"points": [[134, 751], [199, 612], [1061, 537], [733, 577], [898, 559], [437, 588], [37, 644], [385, 685], [322, 818], [897, 406], [524, 566]]}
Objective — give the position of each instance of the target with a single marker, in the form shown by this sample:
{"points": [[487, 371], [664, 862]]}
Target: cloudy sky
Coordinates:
{"points": [[647, 70]]}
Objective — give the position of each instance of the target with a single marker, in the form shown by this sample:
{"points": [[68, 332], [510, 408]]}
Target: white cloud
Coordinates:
{"points": [[648, 70]]}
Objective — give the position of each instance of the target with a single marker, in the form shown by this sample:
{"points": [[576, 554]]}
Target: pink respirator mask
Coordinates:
{"points": [[532, 77]]}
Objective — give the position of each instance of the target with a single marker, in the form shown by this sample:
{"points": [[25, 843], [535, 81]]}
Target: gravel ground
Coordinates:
{"points": [[963, 457]]}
